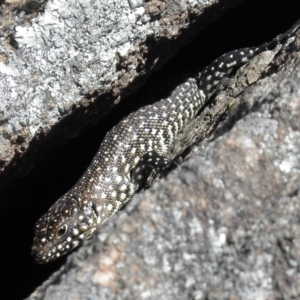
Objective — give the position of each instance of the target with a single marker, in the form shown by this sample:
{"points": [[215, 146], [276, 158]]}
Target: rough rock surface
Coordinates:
{"points": [[63, 68], [225, 224]]}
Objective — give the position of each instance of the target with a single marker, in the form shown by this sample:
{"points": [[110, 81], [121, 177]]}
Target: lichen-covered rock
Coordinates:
{"points": [[225, 224], [64, 67]]}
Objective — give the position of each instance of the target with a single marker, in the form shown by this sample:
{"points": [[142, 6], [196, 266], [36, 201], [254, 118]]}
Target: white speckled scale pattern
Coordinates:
{"points": [[143, 139]]}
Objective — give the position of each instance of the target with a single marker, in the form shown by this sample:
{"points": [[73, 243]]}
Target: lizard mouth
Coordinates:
{"points": [[43, 254], [49, 252]]}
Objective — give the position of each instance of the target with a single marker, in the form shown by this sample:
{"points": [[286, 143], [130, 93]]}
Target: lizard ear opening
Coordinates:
{"points": [[94, 208]]}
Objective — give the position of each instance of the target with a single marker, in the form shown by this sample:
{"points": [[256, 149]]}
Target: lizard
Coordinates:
{"points": [[136, 147]]}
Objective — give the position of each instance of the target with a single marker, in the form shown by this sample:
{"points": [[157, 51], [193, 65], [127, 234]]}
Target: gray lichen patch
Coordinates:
{"points": [[73, 53]]}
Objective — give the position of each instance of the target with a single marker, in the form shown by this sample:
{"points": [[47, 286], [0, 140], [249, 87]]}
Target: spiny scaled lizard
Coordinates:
{"points": [[139, 144]]}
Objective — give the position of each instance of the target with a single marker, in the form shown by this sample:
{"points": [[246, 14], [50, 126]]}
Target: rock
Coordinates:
{"points": [[64, 64], [224, 224]]}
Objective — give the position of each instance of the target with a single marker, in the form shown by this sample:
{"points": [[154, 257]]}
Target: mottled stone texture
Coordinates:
{"points": [[64, 63], [225, 224]]}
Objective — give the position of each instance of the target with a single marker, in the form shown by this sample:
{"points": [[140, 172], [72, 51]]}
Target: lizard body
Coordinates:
{"points": [[139, 144]]}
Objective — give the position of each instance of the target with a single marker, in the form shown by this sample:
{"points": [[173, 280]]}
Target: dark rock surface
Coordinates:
{"points": [[226, 223]]}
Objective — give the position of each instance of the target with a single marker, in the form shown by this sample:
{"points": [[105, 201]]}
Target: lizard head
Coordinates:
{"points": [[66, 225]]}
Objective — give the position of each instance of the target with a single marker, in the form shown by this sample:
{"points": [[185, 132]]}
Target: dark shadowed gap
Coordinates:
{"points": [[251, 23]]}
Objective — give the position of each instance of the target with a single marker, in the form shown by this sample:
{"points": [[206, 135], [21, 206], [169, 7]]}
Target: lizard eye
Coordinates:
{"points": [[62, 230]]}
